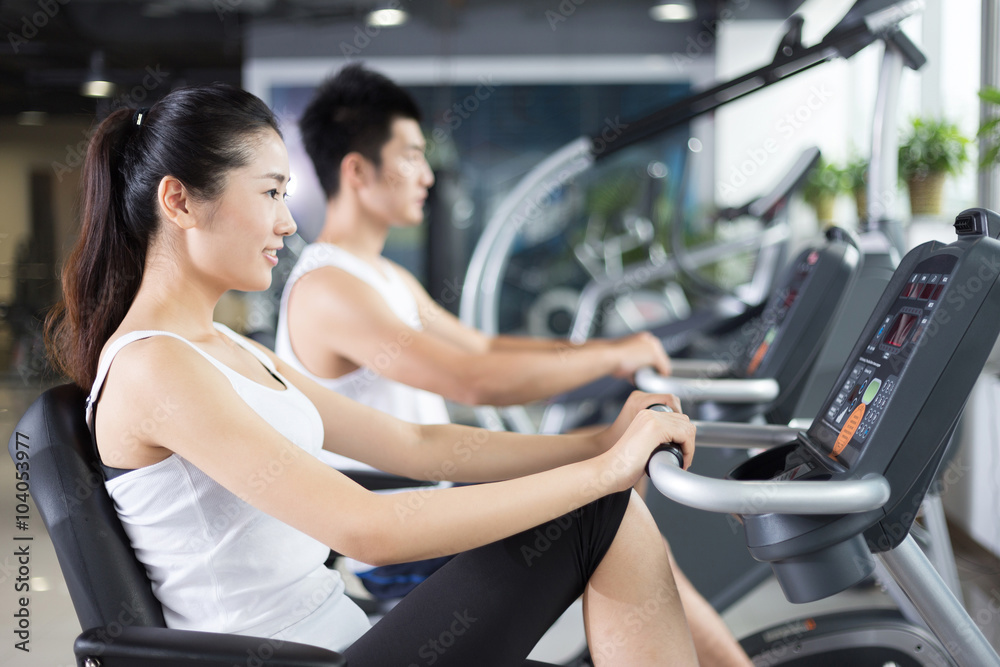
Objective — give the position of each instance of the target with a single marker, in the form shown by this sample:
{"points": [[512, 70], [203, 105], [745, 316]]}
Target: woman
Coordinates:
{"points": [[209, 440]]}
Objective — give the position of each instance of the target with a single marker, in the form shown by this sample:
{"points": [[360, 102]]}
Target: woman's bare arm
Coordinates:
{"points": [[214, 429]]}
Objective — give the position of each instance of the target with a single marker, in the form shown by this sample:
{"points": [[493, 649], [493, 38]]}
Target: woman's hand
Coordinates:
{"points": [[625, 463], [636, 403]]}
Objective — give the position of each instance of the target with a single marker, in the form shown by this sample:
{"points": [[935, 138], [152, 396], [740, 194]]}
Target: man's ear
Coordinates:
{"points": [[175, 203], [356, 170]]}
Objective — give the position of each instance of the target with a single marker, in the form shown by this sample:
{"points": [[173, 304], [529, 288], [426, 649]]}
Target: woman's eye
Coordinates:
{"points": [[273, 194]]}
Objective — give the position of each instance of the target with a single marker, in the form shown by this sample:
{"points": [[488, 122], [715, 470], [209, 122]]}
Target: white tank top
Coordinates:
{"points": [[217, 563], [364, 385]]}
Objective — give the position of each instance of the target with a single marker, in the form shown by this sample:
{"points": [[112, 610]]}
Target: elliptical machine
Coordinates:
{"points": [[824, 504], [867, 22], [761, 366]]}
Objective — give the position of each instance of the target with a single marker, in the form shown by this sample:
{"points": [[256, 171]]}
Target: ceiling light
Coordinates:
{"points": [[673, 10], [97, 88], [97, 83], [387, 18]]}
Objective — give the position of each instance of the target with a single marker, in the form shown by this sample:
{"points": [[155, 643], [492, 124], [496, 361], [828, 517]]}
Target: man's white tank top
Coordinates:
{"points": [[364, 385], [217, 563]]}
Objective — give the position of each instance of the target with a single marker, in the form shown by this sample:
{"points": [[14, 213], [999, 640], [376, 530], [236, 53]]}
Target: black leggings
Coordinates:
{"points": [[491, 605]]}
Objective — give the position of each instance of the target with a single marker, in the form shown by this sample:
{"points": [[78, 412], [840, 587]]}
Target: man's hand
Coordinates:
{"points": [[639, 350]]}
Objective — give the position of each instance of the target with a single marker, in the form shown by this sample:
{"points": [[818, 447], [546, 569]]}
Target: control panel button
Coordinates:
{"points": [[848, 431]]}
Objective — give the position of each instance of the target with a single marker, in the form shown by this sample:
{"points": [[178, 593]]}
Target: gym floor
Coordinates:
{"points": [[53, 624]]}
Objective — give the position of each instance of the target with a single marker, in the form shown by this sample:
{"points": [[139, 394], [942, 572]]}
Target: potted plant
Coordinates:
{"points": [[821, 188], [931, 151], [989, 130], [856, 182]]}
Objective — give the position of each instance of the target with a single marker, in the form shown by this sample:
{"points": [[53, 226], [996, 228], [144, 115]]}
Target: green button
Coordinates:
{"points": [[870, 392]]}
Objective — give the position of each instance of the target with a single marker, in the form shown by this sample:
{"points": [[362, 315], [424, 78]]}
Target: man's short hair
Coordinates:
{"points": [[351, 111]]}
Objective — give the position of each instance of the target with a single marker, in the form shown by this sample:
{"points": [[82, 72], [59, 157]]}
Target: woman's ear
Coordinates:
{"points": [[175, 203]]}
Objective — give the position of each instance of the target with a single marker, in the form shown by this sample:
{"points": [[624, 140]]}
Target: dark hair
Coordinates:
{"points": [[193, 134], [351, 112]]}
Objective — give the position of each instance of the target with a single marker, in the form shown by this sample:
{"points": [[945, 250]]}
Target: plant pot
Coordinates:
{"points": [[823, 205], [861, 201], [925, 194]]}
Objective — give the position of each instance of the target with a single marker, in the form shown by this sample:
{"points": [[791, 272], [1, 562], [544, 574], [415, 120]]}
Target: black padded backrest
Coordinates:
{"points": [[106, 582]]}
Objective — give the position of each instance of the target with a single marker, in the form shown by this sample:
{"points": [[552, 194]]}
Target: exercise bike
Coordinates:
{"points": [[823, 505]]}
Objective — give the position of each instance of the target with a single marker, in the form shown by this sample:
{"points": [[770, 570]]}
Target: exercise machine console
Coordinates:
{"points": [[763, 366]]}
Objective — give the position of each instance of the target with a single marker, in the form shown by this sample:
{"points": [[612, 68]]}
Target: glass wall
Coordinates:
{"points": [[481, 139]]}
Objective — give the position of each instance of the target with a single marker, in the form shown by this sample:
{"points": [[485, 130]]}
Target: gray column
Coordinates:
{"points": [[989, 180]]}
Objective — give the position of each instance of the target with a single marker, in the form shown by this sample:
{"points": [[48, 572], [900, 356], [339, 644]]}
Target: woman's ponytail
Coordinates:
{"points": [[103, 272]]}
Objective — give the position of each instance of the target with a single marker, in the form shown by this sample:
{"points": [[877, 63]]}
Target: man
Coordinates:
{"points": [[365, 327], [346, 308]]}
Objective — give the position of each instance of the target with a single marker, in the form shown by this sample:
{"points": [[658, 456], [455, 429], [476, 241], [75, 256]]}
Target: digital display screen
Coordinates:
{"points": [[925, 291], [900, 330]]}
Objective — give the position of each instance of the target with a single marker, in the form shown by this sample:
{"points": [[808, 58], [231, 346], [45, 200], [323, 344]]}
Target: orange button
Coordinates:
{"points": [[847, 432], [758, 357]]}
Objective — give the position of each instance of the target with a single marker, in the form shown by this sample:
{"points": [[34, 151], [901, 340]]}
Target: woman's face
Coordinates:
{"points": [[240, 231]]}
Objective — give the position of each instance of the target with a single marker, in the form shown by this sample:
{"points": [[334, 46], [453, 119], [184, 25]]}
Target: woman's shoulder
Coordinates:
{"points": [[128, 342], [141, 382], [161, 390], [141, 368], [140, 359]]}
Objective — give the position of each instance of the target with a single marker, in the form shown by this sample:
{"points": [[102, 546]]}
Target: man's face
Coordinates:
{"points": [[398, 189]]}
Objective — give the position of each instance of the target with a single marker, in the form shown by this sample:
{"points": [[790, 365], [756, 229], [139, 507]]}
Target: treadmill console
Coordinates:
{"points": [[778, 307], [857, 407], [785, 341]]}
